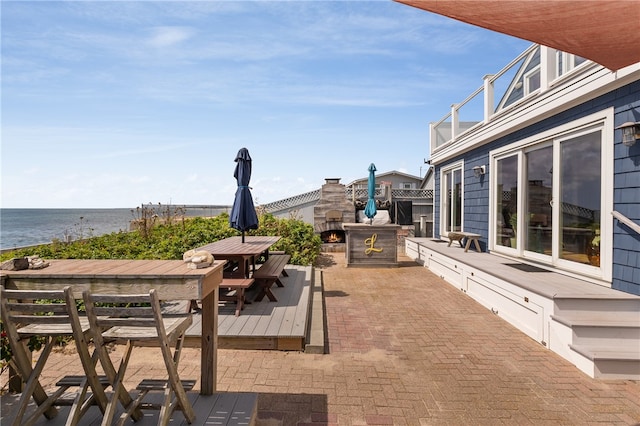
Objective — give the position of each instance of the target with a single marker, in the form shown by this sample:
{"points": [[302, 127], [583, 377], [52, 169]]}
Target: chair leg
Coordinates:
{"points": [[119, 390], [118, 387], [76, 407], [174, 385], [32, 387]]}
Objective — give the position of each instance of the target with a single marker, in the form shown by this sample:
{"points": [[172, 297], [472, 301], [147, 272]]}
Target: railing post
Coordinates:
{"points": [[433, 137], [547, 67], [454, 121], [488, 97]]}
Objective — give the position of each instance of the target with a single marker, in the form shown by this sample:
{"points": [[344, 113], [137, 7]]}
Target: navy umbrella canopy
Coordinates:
{"points": [[370, 209], [243, 213]]}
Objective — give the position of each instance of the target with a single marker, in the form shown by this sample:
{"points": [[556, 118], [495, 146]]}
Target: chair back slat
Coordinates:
{"points": [[34, 294], [124, 299], [38, 308], [41, 319], [105, 322], [124, 311]]}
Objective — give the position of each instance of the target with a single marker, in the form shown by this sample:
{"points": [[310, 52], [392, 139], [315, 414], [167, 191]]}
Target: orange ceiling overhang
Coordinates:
{"points": [[604, 31]]}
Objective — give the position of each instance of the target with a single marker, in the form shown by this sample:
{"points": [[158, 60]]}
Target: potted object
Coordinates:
{"points": [[513, 220], [593, 248]]}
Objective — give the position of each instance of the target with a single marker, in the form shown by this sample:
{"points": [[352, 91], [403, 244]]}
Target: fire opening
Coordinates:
{"points": [[332, 237]]}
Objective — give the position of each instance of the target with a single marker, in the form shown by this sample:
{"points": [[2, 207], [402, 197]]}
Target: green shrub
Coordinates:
{"points": [[171, 240]]}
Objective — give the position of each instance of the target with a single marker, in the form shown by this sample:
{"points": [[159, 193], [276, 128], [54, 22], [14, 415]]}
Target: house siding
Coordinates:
{"points": [[626, 195], [626, 243]]}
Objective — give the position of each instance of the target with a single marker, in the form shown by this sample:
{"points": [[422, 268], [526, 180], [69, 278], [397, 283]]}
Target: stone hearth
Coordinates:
{"points": [[331, 211]]}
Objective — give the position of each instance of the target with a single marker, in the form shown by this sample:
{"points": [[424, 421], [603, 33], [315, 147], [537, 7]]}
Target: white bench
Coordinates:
{"points": [[468, 236]]}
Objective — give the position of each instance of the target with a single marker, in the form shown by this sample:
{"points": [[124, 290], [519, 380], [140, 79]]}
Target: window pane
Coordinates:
{"points": [[533, 81], [538, 220], [506, 201], [457, 200], [580, 195], [453, 207]]}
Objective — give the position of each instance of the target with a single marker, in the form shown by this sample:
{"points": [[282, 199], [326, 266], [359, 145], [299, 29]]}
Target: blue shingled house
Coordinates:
{"points": [[534, 163]]}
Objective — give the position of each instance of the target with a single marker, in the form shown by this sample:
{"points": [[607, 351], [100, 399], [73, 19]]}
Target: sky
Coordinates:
{"points": [[114, 104]]}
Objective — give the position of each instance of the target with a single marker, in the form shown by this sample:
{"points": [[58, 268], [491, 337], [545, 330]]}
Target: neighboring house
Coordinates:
{"points": [[544, 178], [397, 180]]}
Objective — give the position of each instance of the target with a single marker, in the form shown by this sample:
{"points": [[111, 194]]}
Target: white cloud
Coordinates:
{"points": [[169, 36]]}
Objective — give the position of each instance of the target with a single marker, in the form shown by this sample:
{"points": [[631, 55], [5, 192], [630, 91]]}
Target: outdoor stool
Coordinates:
{"points": [[136, 320], [54, 316]]}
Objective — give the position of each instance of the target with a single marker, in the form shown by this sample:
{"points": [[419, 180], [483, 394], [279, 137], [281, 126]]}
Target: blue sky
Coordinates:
{"points": [[114, 104]]}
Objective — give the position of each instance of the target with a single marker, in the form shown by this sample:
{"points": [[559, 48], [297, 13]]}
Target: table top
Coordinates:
{"points": [[252, 246], [115, 268]]}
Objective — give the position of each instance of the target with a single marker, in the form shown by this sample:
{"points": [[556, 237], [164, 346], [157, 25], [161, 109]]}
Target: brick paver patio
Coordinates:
{"points": [[406, 348]]}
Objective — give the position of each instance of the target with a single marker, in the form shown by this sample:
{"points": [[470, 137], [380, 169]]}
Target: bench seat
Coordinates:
{"points": [[468, 236], [239, 287], [269, 274]]}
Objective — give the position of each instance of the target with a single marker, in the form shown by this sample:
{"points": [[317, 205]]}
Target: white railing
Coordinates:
{"points": [[502, 91], [622, 218]]}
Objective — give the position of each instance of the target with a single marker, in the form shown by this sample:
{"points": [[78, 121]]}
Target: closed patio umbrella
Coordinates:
{"points": [[243, 213], [370, 209]]}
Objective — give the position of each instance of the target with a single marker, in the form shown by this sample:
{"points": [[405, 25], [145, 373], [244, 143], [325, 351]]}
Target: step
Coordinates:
{"points": [[610, 302], [595, 353], [607, 363], [598, 318]]}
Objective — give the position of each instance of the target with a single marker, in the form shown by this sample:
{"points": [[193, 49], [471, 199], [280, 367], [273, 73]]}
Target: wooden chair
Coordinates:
{"points": [[136, 320], [54, 316]]}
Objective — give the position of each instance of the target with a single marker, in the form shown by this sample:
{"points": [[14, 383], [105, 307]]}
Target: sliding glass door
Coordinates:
{"points": [[580, 195], [548, 200]]}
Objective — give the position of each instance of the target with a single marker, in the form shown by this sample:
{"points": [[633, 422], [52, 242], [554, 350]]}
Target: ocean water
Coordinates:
{"points": [[26, 227]]}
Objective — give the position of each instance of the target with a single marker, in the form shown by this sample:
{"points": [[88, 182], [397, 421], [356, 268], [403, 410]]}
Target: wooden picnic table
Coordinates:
{"points": [[245, 253], [172, 279]]}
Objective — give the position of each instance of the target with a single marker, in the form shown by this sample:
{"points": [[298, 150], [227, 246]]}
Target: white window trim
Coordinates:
{"points": [[450, 167], [603, 120]]}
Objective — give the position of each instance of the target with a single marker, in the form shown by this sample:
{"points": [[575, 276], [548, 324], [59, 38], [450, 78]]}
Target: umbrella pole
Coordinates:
{"points": [[243, 236]]}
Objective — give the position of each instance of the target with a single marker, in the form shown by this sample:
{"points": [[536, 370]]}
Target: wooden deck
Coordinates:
{"points": [[281, 325]]}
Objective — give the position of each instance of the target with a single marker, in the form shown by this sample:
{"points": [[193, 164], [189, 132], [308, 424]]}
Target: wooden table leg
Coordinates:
{"points": [[209, 344]]}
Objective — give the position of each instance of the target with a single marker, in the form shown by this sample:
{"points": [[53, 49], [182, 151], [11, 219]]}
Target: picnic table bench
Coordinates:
{"points": [[468, 236], [238, 287], [269, 274]]}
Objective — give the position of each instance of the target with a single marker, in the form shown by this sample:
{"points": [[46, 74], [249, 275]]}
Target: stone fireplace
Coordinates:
{"points": [[330, 212]]}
